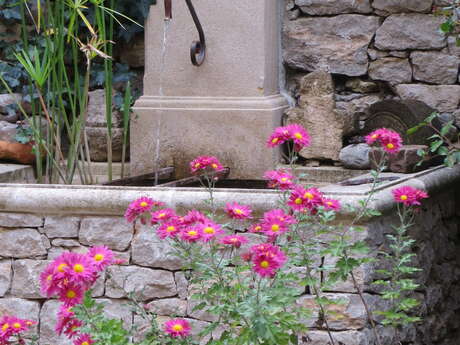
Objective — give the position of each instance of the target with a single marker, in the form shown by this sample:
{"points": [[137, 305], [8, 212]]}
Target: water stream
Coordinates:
{"points": [[167, 24]]}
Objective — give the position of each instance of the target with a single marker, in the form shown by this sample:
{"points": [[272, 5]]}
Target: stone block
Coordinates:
{"points": [[149, 250], [118, 310], [21, 308], [61, 226], [435, 67], [20, 220], [392, 70], [342, 338], [96, 111], [21, 243], [97, 139], [202, 314], [443, 98], [355, 156], [410, 31], [182, 284], [26, 278], [403, 6], [66, 243], [145, 283], [336, 44], [322, 8], [5, 276], [168, 307], [48, 320], [113, 232]]}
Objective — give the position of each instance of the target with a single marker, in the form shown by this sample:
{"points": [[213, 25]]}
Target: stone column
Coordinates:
{"points": [[228, 106]]}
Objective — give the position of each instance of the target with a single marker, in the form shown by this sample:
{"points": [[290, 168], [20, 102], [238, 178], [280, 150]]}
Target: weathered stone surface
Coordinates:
{"points": [[343, 338], [97, 138], [410, 31], [336, 44], [361, 86], [148, 250], [133, 53], [169, 307], [400, 53], [21, 308], [64, 226], [401, 6], [391, 69], [26, 282], [202, 314], [452, 47], [114, 232], [61, 242], [99, 286], [404, 161], [144, 282], [375, 54], [321, 7], [182, 284], [435, 67], [8, 100], [355, 156], [118, 310], [5, 276], [54, 252], [317, 107], [444, 98], [20, 220], [48, 319], [21, 243], [46, 242], [96, 111], [8, 131]]}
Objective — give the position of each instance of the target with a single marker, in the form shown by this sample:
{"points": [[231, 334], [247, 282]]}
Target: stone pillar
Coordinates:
{"points": [[228, 106]]}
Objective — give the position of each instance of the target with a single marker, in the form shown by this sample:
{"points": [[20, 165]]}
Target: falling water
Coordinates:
{"points": [[167, 23]]}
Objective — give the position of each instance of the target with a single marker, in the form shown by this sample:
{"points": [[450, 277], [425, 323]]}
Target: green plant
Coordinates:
{"points": [[451, 25]]}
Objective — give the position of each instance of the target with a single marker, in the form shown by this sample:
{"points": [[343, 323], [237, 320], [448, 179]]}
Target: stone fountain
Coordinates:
{"points": [[227, 106]]}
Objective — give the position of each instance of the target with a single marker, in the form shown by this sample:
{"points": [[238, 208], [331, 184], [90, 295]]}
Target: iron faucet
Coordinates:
{"points": [[168, 9]]}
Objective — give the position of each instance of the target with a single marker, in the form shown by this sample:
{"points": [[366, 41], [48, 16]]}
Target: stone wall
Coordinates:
{"points": [[29, 241], [374, 50]]}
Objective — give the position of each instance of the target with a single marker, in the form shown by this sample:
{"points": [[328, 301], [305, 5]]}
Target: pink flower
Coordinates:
{"points": [[47, 285], [237, 211], [390, 140], [169, 228], [276, 222], [80, 268], [293, 132], [194, 216], [71, 294], [409, 196], [67, 323], [177, 328], [234, 240], [11, 325], [162, 215], [301, 199], [209, 230], [191, 234], [84, 339], [101, 257], [267, 259], [205, 162], [331, 204], [72, 328], [140, 207], [279, 136], [279, 179], [255, 228]]}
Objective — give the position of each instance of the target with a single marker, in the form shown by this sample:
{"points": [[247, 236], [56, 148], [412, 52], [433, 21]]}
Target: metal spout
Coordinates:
{"points": [[168, 9]]}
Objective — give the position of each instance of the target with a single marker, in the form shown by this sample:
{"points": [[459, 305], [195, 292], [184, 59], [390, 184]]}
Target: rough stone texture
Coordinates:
{"points": [[21, 308], [434, 67], [61, 242], [48, 319], [114, 233], [375, 54], [343, 338], [19, 220], [97, 138], [391, 69], [317, 107], [182, 284], [321, 7], [401, 6], [149, 250], [355, 156], [410, 31], [5, 276], [9, 99], [21, 243], [26, 278], [336, 44], [168, 307], [144, 282], [64, 227], [361, 86], [8, 131], [452, 47], [355, 110], [96, 111], [404, 161], [444, 98], [118, 309]]}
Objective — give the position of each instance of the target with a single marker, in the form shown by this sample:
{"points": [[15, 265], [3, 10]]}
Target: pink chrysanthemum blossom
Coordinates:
{"points": [[279, 136], [237, 211], [409, 196], [255, 228], [66, 321], [71, 294], [140, 207], [84, 339], [47, 287], [390, 141], [276, 222], [331, 204], [101, 257], [177, 328], [209, 231], [204, 163], [267, 259], [170, 228], [194, 217], [80, 267], [162, 215], [234, 240], [11, 325], [191, 234], [72, 328], [281, 179], [299, 135], [301, 199]]}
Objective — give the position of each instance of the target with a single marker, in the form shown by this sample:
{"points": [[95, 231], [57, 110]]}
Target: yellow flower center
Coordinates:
{"points": [[209, 230], [284, 179], [197, 165], [78, 268], [98, 257], [298, 201], [144, 204], [329, 203], [390, 146], [264, 264], [258, 228], [192, 233], [238, 211], [16, 325], [214, 166], [403, 197], [309, 196], [177, 327], [162, 215], [234, 240], [275, 227], [85, 343], [61, 267], [71, 294], [274, 140], [50, 277], [298, 135], [5, 327], [170, 228], [375, 136]]}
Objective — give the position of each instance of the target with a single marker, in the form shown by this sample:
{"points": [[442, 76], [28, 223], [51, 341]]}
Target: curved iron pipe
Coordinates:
{"points": [[198, 48]]}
